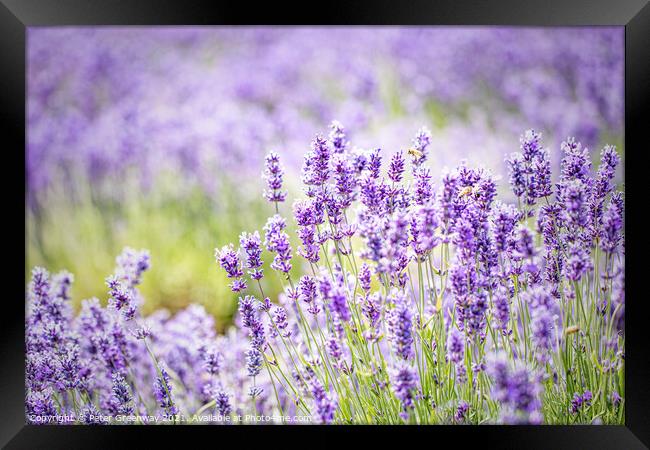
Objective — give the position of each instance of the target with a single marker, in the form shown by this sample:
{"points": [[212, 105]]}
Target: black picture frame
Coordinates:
{"points": [[17, 15]]}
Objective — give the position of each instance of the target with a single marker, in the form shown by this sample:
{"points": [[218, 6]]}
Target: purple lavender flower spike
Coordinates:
{"points": [[517, 389], [325, 406], [121, 399], [334, 350], [576, 163], [90, 415], [423, 186], [281, 321], [518, 173], [223, 404], [374, 165], [574, 197], [612, 224], [400, 324], [163, 392], [576, 403], [316, 167], [338, 304], [337, 137], [540, 183], [229, 261], [609, 160], [277, 241], [602, 186], [365, 277], [273, 173], [578, 262], [131, 264], [253, 362], [424, 224], [501, 312], [531, 145], [212, 361], [249, 319], [307, 289], [396, 167], [404, 382], [542, 326], [345, 180], [39, 403], [504, 221], [461, 411], [455, 345], [252, 246], [421, 143]]}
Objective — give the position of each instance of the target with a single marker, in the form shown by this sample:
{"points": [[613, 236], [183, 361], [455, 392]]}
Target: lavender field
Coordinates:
{"points": [[325, 225]]}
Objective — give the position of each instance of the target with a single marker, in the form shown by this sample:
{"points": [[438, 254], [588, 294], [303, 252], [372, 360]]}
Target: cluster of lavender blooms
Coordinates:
{"points": [[404, 301], [217, 98]]}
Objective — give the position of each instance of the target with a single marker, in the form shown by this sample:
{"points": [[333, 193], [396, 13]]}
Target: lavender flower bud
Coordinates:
{"points": [[131, 264], [307, 290], [277, 241], [501, 312], [516, 389], [531, 145], [421, 143], [423, 186], [251, 244], [248, 313], [371, 308], [400, 324], [504, 221], [404, 383], [281, 321], [611, 229], [396, 168], [608, 161], [40, 403], [365, 277], [461, 411], [518, 174], [576, 163], [325, 406], [542, 326], [253, 362], [163, 392], [345, 181], [334, 350], [273, 173], [228, 259], [423, 229], [374, 165], [222, 401], [121, 297], [316, 168], [121, 399], [338, 304], [212, 361], [337, 137], [455, 345], [578, 262]]}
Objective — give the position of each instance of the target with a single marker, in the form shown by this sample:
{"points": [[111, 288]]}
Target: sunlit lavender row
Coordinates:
{"points": [[412, 297]]}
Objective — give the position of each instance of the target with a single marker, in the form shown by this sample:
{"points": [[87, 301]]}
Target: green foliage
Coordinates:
{"points": [[83, 235]]}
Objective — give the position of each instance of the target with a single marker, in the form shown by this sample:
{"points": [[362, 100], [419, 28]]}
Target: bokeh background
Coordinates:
{"points": [[155, 137]]}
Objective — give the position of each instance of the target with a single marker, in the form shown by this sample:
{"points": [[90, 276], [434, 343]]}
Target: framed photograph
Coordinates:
{"points": [[374, 218]]}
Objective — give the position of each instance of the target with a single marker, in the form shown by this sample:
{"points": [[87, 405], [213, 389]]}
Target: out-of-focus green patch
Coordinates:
{"points": [[84, 237], [437, 114]]}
